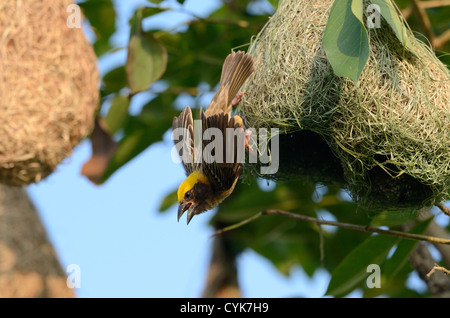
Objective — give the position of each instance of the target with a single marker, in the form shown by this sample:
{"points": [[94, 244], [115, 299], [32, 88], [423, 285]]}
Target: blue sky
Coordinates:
{"points": [[124, 247]]}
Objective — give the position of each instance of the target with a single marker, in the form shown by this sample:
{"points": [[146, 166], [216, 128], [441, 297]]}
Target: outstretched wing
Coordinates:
{"points": [[219, 154], [183, 137], [222, 155]]}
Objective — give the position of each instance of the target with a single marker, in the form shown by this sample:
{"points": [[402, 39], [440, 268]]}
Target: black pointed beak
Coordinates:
{"points": [[190, 214], [183, 207]]}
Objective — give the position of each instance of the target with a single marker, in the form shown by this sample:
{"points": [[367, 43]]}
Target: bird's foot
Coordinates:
{"points": [[237, 98], [248, 133]]}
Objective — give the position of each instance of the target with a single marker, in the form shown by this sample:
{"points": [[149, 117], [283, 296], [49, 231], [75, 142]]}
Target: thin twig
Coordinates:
{"points": [[420, 7], [443, 208], [407, 12], [438, 268], [322, 252], [350, 226], [238, 23], [424, 20], [434, 3], [442, 39], [237, 225]]}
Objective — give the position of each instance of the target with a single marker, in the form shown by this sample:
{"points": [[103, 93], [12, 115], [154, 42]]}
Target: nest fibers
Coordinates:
{"points": [[386, 137], [48, 88]]}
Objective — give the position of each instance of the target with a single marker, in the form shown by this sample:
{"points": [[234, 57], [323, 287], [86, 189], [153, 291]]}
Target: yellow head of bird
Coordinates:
{"points": [[192, 195]]}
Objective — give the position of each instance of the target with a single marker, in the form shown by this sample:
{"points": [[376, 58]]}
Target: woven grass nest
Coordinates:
{"points": [[48, 88], [385, 138]]}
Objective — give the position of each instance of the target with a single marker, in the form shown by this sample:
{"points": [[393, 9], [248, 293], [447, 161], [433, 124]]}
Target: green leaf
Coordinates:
{"points": [[117, 114], [353, 269], [133, 144], [404, 248], [115, 80], [345, 39], [395, 270], [357, 10], [392, 218], [274, 3], [393, 287], [142, 131], [168, 39], [102, 17], [101, 46], [445, 59], [147, 57], [151, 11], [168, 201], [392, 17]]}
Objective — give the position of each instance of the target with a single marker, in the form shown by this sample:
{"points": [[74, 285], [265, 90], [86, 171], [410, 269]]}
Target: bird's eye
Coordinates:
{"points": [[187, 195]]}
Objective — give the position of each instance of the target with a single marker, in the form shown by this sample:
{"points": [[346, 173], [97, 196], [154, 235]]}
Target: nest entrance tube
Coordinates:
{"points": [[389, 132], [48, 88]]}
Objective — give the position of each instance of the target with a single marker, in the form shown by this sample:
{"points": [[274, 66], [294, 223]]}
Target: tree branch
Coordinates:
{"points": [[443, 208], [29, 266], [422, 261], [350, 226], [434, 3], [238, 23], [438, 268], [222, 280], [442, 39], [434, 229], [424, 20]]}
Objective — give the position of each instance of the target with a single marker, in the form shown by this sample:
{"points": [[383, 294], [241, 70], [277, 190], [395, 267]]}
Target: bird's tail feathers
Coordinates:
{"points": [[238, 66]]}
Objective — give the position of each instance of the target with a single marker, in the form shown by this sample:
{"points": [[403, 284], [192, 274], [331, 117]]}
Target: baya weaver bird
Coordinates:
{"points": [[209, 182]]}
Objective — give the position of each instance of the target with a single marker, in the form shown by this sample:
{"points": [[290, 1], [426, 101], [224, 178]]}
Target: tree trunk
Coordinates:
{"points": [[222, 279], [423, 262], [438, 283], [29, 266]]}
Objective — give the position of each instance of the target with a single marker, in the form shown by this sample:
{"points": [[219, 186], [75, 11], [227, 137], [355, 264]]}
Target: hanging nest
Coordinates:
{"points": [[48, 88], [385, 138]]}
